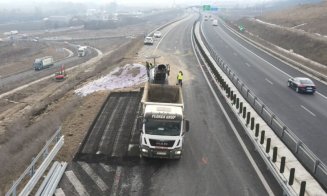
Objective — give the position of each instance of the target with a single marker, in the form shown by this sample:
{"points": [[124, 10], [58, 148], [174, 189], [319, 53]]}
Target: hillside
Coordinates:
{"points": [[310, 17], [302, 29]]}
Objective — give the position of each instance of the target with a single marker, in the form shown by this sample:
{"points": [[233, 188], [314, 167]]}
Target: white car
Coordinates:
{"points": [[148, 41], [157, 34]]}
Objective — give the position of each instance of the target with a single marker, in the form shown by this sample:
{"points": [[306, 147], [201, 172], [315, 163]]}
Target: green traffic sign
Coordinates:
{"points": [[206, 7]]}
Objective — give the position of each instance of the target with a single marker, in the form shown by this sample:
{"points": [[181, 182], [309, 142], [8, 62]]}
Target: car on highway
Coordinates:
{"points": [[157, 34], [148, 41], [302, 85]]}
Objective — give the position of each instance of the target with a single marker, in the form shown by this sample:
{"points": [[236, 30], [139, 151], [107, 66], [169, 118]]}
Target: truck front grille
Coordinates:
{"points": [[162, 143]]}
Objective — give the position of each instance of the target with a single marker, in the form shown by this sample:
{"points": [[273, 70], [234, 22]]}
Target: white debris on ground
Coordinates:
{"points": [[121, 77]]}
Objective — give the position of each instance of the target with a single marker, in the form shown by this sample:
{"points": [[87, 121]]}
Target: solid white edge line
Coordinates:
{"points": [[255, 166], [324, 96], [306, 109]]}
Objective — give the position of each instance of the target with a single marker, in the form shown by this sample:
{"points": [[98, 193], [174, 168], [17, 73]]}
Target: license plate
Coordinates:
{"points": [[161, 153]]}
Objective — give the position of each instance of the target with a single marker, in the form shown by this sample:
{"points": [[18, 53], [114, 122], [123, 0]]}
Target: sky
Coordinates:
{"points": [[149, 2]]}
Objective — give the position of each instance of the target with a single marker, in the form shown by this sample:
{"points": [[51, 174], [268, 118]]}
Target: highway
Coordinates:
{"points": [[266, 76], [213, 161]]}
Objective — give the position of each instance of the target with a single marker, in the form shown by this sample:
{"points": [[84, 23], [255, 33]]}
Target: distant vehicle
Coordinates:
{"points": [[205, 18], [157, 34], [215, 22], [42, 63], [148, 41], [302, 85], [61, 74], [81, 51]]}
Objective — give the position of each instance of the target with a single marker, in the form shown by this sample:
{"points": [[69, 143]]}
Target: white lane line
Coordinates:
{"points": [[270, 82], [264, 59], [107, 167], [96, 179], [231, 124], [76, 183], [306, 109], [247, 64], [115, 185], [59, 192]]}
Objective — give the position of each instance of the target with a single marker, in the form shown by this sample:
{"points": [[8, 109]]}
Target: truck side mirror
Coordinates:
{"points": [[187, 125], [139, 123]]}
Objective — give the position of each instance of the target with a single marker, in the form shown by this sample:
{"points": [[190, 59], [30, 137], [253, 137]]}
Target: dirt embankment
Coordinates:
{"points": [[309, 17], [33, 117], [299, 29], [19, 56], [303, 43]]}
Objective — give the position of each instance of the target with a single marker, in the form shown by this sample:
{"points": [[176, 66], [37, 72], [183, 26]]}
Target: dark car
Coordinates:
{"points": [[301, 85]]}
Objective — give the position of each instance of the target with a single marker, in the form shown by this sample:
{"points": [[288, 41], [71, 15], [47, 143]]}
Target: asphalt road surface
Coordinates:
{"points": [[213, 161], [266, 76]]}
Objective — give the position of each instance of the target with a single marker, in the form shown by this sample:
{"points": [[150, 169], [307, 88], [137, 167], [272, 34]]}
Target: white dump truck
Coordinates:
{"points": [[162, 123], [42, 63], [81, 51]]}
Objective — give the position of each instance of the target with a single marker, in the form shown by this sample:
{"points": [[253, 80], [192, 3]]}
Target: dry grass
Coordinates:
{"points": [[314, 15]]}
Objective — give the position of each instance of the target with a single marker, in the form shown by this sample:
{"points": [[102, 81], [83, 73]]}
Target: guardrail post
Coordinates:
{"points": [[263, 106], [274, 158], [237, 103], [291, 178], [248, 118], [268, 145], [244, 112], [234, 99], [302, 189], [231, 95], [257, 130], [255, 98], [262, 138], [252, 123], [316, 165], [282, 165], [32, 171], [272, 118], [241, 108]]}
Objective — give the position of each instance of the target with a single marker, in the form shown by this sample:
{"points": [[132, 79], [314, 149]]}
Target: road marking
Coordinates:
{"points": [[246, 151], [247, 64], [306, 109], [107, 167], [96, 179], [325, 97], [270, 82], [114, 187], [76, 183], [59, 192]]}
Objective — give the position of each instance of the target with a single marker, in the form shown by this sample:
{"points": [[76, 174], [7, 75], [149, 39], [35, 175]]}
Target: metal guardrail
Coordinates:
{"points": [[56, 142], [310, 161]]}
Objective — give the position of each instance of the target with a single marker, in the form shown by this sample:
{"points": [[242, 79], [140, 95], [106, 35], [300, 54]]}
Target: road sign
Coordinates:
{"points": [[206, 7]]}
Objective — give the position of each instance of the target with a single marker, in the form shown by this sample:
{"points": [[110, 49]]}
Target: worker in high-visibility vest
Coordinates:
{"points": [[180, 78]]}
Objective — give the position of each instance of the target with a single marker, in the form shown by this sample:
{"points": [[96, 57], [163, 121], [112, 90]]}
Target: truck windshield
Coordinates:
{"points": [[162, 127]]}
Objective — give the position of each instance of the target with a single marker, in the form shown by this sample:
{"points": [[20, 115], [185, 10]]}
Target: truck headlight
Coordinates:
{"points": [[144, 150], [178, 152]]}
